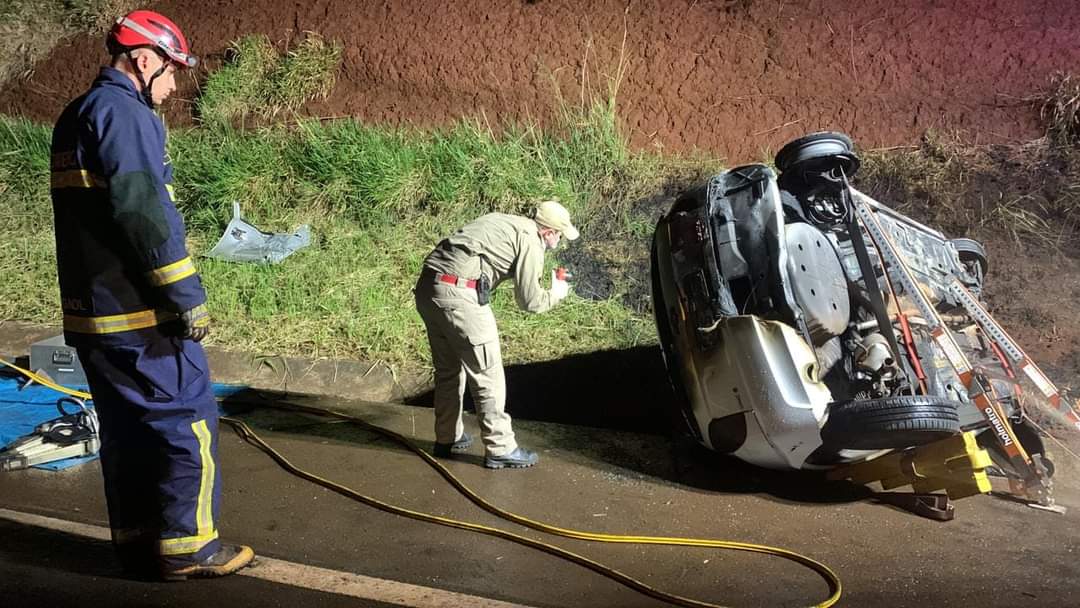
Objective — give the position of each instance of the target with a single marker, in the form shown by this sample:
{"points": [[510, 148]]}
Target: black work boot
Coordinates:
{"points": [[518, 459], [227, 559], [446, 450], [138, 560]]}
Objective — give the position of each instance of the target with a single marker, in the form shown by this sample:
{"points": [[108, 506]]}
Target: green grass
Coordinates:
{"points": [[260, 81], [28, 290], [378, 200]]}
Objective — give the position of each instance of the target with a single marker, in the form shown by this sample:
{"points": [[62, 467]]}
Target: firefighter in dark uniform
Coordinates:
{"points": [[135, 309]]}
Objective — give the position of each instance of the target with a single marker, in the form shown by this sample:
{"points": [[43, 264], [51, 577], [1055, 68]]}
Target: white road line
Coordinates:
{"points": [[302, 575], [61, 525]]}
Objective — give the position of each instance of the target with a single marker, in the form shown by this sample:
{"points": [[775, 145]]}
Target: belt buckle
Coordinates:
{"points": [[462, 282]]}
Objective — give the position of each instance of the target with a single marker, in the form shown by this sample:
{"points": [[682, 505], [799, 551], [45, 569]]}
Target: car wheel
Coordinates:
{"points": [[818, 152], [890, 422], [970, 252]]}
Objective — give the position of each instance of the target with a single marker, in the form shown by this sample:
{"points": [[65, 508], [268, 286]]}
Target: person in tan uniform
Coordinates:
{"points": [[452, 299]]}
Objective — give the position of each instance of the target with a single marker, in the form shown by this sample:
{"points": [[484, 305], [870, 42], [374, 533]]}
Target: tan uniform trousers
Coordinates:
{"points": [[465, 350]]}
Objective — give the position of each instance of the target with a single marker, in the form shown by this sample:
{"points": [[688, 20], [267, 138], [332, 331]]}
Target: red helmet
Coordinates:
{"points": [[149, 29]]}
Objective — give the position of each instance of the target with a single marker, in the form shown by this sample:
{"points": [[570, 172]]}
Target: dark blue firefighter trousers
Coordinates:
{"points": [[159, 427]]}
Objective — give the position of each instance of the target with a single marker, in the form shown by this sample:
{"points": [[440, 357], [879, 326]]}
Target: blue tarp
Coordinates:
{"points": [[21, 410]]}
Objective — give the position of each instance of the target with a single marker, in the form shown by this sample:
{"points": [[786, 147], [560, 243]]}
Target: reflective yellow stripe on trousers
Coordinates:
{"points": [[204, 509]]}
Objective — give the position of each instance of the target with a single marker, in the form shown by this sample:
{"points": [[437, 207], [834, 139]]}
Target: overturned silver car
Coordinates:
{"points": [[805, 325]]}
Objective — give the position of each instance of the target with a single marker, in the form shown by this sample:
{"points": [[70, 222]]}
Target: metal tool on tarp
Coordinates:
{"points": [[72, 435]]}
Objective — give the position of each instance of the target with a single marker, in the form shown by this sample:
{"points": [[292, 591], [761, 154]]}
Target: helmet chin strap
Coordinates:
{"points": [[147, 96]]}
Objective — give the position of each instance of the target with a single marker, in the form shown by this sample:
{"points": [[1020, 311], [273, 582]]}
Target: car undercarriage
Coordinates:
{"points": [[806, 325]]}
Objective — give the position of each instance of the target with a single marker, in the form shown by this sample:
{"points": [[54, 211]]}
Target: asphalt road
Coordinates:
{"points": [[995, 552]]}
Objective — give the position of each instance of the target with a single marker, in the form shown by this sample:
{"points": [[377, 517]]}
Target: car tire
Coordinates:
{"points": [[818, 151], [972, 251], [890, 422]]}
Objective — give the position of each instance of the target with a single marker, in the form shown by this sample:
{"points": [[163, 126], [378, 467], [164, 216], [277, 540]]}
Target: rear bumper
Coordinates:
{"points": [[761, 381]]}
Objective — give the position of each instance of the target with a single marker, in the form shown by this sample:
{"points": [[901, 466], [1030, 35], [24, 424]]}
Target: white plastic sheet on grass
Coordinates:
{"points": [[243, 242]]}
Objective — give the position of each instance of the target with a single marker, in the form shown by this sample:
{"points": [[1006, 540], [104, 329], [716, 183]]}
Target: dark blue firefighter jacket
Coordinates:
{"points": [[124, 270]]}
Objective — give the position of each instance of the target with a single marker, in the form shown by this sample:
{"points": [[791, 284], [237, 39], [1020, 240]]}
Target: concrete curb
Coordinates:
{"points": [[339, 378]]}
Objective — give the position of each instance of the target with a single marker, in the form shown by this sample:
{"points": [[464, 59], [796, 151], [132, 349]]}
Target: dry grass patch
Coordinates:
{"points": [[1060, 110], [29, 29]]}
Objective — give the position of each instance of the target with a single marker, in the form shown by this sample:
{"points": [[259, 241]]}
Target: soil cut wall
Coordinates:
{"points": [[736, 78]]}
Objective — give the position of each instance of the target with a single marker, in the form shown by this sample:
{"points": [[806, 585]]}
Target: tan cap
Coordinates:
{"points": [[553, 215]]}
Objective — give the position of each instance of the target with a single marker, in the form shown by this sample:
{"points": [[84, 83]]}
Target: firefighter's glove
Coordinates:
{"points": [[196, 323], [559, 287]]}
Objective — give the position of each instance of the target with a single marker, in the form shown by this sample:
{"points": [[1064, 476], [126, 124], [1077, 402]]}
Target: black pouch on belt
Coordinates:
{"points": [[483, 289]]}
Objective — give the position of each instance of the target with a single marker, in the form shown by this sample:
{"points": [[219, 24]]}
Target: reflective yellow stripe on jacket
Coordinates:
{"points": [[76, 178], [112, 324], [171, 273]]}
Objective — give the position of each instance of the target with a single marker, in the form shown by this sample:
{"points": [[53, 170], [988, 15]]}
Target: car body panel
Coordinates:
{"points": [[748, 360]]}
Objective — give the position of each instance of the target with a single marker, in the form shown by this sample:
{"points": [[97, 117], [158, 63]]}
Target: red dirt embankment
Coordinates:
{"points": [[735, 78], [732, 77]]}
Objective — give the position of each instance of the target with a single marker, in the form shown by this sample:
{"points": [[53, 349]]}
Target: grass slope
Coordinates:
{"points": [[377, 199]]}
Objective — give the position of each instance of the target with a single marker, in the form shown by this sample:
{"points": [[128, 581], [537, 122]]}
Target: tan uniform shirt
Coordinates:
{"points": [[511, 248]]}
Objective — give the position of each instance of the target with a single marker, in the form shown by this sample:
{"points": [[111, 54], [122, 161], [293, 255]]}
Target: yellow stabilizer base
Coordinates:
{"points": [[956, 465]]}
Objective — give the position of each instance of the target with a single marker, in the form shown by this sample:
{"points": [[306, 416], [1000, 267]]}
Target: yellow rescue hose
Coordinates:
{"points": [[248, 435], [42, 380]]}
